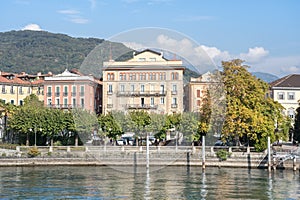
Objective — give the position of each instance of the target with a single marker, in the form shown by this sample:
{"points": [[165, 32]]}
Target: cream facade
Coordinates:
{"points": [[148, 82], [286, 91]]}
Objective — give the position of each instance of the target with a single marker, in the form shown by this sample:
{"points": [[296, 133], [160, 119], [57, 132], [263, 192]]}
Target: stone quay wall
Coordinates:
{"points": [[137, 156]]}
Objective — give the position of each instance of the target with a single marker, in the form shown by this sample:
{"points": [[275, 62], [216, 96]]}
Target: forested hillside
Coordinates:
{"points": [[40, 51]]}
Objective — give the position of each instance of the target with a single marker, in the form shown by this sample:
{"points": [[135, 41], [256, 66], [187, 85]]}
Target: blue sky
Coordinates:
{"points": [[264, 33]]}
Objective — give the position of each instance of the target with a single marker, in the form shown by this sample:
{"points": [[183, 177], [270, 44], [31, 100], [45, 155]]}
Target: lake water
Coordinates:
{"points": [[165, 183]]}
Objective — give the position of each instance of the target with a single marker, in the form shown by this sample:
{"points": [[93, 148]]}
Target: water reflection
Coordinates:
{"points": [[167, 183]]}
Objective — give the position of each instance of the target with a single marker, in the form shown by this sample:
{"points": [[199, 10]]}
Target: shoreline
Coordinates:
{"points": [[136, 157]]}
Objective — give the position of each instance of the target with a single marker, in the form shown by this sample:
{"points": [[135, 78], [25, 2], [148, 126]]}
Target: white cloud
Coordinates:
{"points": [[69, 12], [78, 20], [74, 16], [254, 55], [32, 27]]}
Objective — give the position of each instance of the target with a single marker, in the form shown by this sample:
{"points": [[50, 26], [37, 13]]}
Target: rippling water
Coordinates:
{"points": [[166, 183]]}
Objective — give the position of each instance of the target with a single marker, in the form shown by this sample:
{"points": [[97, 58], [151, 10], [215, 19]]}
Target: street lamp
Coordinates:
{"points": [[40, 129]]}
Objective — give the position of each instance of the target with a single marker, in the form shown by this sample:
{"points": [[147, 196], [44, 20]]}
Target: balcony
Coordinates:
{"points": [[109, 105], [140, 106], [49, 94], [109, 92], [4, 92], [174, 92], [139, 93], [81, 94], [57, 94], [65, 94], [174, 105], [73, 94]]}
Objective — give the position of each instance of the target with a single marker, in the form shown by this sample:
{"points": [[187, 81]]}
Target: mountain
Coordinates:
{"points": [[265, 76], [41, 51]]}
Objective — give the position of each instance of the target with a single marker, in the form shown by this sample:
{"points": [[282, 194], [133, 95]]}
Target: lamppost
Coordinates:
{"points": [[35, 133]]}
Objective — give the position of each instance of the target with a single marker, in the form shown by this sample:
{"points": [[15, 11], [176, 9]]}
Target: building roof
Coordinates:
{"points": [[292, 80]]}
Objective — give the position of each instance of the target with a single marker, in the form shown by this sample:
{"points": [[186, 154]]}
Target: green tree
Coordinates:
{"points": [[296, 136], [250, 116], [110, 126]]}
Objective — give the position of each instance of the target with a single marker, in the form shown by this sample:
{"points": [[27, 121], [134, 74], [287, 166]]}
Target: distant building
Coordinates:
{"points": [[286, 91], [16, 87], [73, 90], [148, 82], [196, 90]]}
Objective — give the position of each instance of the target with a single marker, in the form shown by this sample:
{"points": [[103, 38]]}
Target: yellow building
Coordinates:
{"points": [[148, 81], [16, 87]]}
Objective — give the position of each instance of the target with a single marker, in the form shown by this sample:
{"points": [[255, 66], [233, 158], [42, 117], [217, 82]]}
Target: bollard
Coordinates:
{"points": [[294, 164]]}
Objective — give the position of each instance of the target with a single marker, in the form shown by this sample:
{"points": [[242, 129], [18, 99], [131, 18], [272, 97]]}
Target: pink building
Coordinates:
{"points": [[73, 90]]}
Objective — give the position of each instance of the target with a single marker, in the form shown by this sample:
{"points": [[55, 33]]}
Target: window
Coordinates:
{"points": [[280, 95], [162, 100], [162, 89], [174, 101], [152, 59], [110, 89], [20, 90], [12, 90], [152, 101], [198, 102], [74, 102], [82, 90], [57, 91], [49, 101], [198, 93], [110, 76], [21, 102], [291, 95], [174, 88], [174, 76], [3, 89], [122, 76], [74, 90], [12, 101], [29, 90], [65, 90], [65, 102], [142, 88], [122, 88], [142, 76], [49, 91], [142, 59], [57, 101], [82, 102], [132, 88]]}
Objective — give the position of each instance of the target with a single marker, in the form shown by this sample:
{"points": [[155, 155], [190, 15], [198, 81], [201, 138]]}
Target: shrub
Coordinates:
{"points": [[222, 154], [33, 152]]}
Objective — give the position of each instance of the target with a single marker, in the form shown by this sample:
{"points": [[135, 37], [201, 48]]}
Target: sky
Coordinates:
{"points": [[263, 33]]}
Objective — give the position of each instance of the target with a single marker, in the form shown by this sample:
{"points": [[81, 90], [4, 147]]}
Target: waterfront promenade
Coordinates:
{"points": [[136, 156]]}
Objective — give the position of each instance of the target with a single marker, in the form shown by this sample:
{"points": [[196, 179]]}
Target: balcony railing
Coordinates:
{"points": [[139, 93], [173, 105], [141, 106], [65, 94], [109, 105], [4, 91], [174, 92], [81, 94], [109, 92], [73, 94], [57, 94], [49, 94], [65, 106]]}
